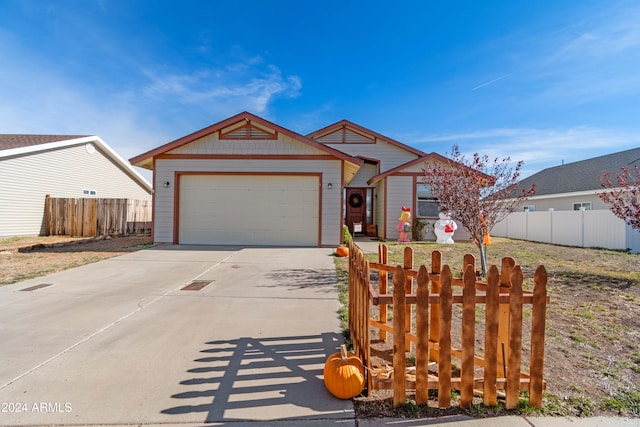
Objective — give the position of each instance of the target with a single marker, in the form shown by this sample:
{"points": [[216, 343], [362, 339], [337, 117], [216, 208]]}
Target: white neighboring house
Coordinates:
{"points": [[66, 166], [566, 208]]}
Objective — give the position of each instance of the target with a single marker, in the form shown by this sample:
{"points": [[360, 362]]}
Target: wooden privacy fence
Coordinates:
{"points": [[499, 368], [89, 217]]}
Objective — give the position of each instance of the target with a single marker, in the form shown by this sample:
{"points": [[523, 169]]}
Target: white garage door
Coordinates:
{"points": [[249, 210]]}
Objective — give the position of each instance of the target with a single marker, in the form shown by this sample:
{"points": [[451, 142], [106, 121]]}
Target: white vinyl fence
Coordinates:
{"points": [[589, 229]]}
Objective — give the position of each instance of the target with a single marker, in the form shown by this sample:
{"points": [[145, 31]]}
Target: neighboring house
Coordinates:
{"points": [[575, 186], [248, 181], [567, 210], [34, 166]]}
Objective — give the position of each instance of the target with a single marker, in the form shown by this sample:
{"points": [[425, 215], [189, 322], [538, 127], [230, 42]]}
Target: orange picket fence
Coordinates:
{"points": [[425, 306]]}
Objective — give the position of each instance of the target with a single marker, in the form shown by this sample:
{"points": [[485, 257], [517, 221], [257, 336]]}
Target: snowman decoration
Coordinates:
{"points": [[444, 228]]}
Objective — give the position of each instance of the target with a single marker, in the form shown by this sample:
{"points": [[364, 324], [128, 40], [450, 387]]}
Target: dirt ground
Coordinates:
{"points": [[592, 347], [27, 257]]}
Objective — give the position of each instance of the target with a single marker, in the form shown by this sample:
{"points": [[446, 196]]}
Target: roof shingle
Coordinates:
{"points": [[10, 141], [582, 175]]}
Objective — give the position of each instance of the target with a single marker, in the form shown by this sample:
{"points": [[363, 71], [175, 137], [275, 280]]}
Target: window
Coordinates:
{"points": [[427, 203], [89, 192], [529, 208], [582, 206]]}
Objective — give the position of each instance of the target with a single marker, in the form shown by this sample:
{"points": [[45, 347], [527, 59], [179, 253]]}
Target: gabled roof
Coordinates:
{"points": [[423, 159], [580, 176], [24, 144], [362, 130], [146, 159]]}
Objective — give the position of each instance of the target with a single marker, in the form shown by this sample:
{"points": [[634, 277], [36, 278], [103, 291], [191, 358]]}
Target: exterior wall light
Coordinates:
{"points": [[165, 184], [329, 186]]}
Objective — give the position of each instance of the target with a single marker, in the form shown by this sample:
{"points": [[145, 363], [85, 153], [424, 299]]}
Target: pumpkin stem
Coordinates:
{"points": [[343, 352]]}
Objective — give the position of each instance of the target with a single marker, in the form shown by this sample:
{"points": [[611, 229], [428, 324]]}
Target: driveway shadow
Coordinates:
{"points": [[277, 378], [323, 280]]}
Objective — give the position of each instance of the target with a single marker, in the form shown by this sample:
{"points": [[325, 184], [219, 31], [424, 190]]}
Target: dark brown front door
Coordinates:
{"points": [[356, 208]]}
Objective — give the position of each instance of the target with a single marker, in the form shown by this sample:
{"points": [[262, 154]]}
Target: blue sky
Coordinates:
{"points": [[539, 81]]}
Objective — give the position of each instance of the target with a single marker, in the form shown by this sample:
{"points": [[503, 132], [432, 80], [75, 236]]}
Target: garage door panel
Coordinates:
{"points": [[249, 210]]}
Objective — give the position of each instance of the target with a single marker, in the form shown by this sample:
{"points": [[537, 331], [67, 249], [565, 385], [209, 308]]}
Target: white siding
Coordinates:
{"points": [[330, 169], [565, 203], [62, 172]]}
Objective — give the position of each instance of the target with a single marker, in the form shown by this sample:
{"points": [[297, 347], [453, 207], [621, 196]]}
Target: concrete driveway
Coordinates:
{"points": [[120, 342]]}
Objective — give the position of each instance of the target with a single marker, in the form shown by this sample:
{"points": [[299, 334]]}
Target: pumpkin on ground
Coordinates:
{"points": [[342, 251], [344, 374]]}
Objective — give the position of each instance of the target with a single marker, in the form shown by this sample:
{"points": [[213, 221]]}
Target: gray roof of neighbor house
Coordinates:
{"points": [[9, 141], [582, 175]]}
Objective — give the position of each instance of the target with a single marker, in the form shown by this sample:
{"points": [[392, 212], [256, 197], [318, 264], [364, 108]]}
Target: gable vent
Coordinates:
{"points": [[334, 137], [345, 136], [352, 137], [248, 131]]}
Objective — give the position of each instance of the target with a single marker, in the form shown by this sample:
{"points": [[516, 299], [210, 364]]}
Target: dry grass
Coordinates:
{"points": [[592, 351]]}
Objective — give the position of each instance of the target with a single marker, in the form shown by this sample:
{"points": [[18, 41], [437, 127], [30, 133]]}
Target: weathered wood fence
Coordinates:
{"points": [[89, 217], [501, 294]]}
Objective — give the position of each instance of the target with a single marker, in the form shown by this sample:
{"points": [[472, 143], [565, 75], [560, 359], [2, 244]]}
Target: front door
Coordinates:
{"points": [[356, 208]]}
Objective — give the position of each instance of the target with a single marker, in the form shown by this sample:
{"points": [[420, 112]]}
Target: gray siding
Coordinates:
{"points": [[212, 144], [62, 172], [390, 155], [399, 193], [365, 173], [379, 214]]}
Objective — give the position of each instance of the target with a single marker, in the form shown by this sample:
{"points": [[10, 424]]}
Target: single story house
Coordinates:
{"points": [[575, 186], [567, 210], [248, 181], [66, 166]]}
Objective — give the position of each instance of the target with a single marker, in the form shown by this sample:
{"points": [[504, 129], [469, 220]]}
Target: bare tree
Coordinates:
{"points": [[623, 195], [477, 192]]}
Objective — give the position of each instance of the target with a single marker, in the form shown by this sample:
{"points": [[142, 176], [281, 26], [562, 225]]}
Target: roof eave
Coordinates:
{"points": [[145, 160], [422, 159], [362, 129], [77, 141]]}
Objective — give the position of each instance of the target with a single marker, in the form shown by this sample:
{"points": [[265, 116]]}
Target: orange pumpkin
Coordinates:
{"points": [[342, 251], [344, 374]]}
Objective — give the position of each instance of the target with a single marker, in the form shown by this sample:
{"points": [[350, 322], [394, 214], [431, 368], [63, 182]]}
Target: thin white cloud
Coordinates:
{"points": [[40, 97], [538, 148], [615, 31], [594, 58], [490, 82], [239, 85]]}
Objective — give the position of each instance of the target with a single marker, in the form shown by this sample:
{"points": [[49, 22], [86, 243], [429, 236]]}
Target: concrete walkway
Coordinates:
{"points": [[119, 342], [510, 421], [367, 244]]}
